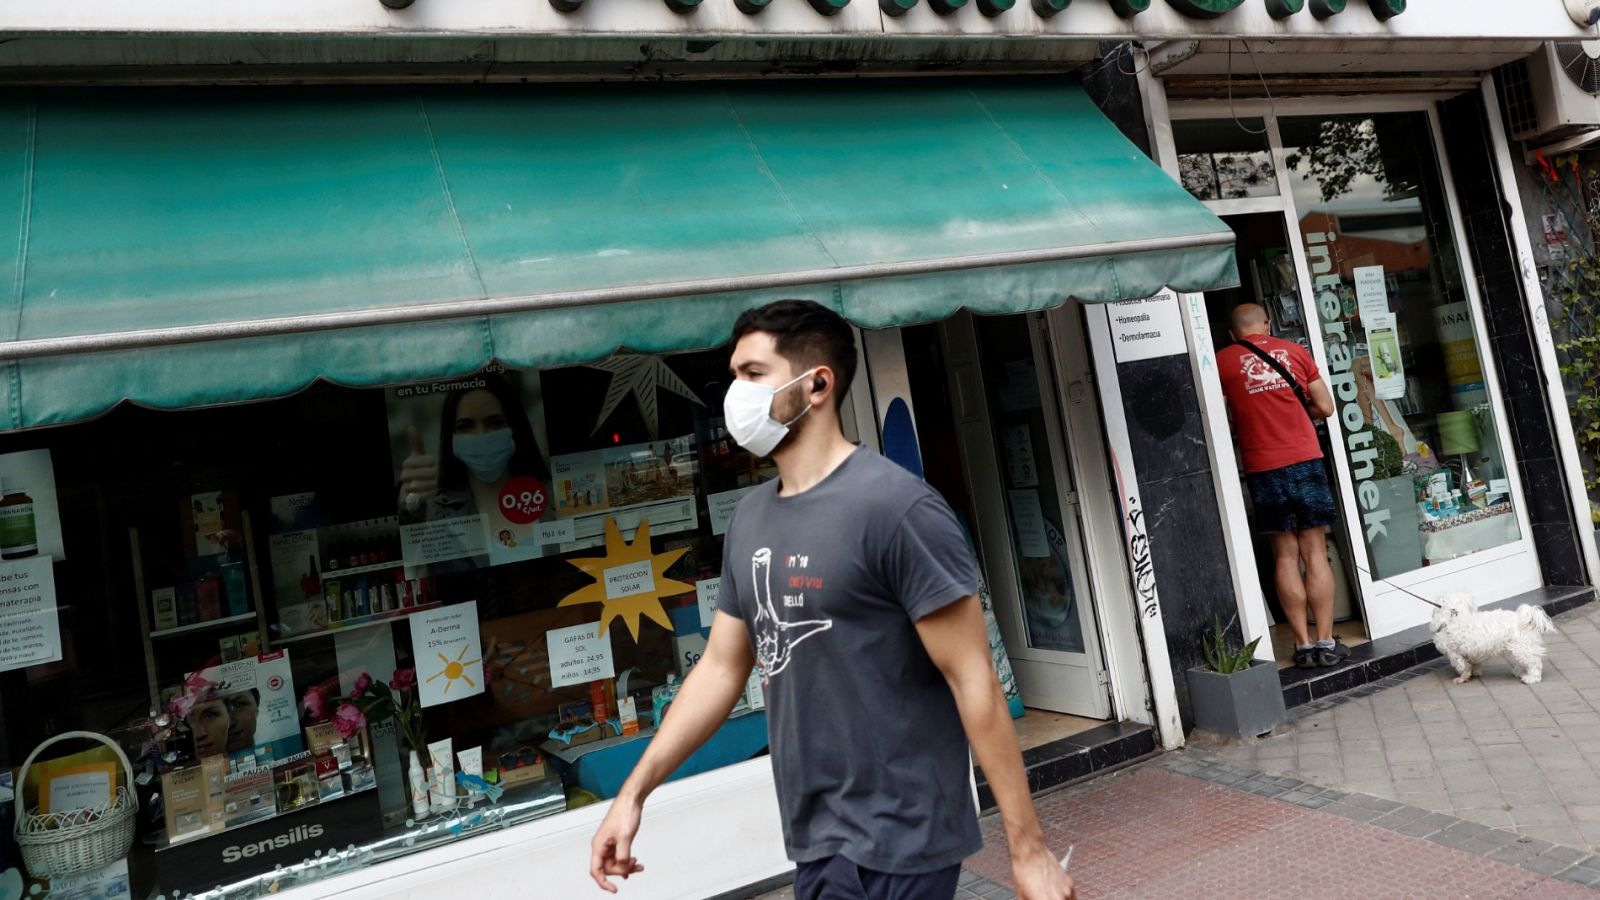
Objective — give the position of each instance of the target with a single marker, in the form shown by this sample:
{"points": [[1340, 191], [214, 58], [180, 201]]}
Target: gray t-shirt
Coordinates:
{"points": [[867, 746]]}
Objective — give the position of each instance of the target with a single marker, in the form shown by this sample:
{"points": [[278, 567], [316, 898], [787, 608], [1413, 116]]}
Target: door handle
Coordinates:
{"points": [[1075, 393]]}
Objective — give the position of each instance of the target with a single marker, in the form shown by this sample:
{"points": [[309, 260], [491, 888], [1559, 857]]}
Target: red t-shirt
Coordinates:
{"points": [[1274, 430]]}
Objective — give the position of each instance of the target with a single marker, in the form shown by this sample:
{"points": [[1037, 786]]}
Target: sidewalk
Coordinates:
{"points": [[1183, 827], [1409, 787], [1493, 751]]}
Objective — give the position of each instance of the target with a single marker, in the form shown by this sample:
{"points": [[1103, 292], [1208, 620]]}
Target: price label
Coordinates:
{"points": [[523, 500]]}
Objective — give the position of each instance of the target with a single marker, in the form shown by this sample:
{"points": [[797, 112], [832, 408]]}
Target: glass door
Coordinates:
{"points": [[1015, 453], [1426, 475]]}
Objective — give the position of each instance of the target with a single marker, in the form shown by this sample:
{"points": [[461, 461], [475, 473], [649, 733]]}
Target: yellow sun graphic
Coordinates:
{"points": [[645, 603], [454, 670]]}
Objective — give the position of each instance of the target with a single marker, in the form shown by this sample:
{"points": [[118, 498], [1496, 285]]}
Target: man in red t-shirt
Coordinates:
{"points": [[1283, 466]]}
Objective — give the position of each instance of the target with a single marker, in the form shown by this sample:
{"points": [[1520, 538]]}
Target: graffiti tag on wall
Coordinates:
{"points": [[1144, 572]]}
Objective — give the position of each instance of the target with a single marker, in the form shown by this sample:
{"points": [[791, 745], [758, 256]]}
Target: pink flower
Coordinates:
{"points": [[349, 720], [181, 705], [316, 705], [198, 683], [362, 685], [404, 679]]}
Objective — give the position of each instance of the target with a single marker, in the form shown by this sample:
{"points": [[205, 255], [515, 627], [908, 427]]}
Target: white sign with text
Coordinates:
{"points": [[579, 655], [30, 631], [446, 647], [633, 578], [1148, 328], [722, 506], [706, 590]]}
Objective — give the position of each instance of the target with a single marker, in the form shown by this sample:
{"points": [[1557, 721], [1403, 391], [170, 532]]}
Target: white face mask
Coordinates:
{"points": [[487, 454], [747, 413]]}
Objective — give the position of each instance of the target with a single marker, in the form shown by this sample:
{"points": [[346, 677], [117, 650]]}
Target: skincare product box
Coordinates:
{"points": [[208, 594], [248, 796], [195, 798], [359, 778], [329, 783], [164, 604]]}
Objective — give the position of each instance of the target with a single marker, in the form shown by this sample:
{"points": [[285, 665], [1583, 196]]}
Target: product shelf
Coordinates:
{"points": [[161, 842], [355, 623], [205, 625], [362, 570]]}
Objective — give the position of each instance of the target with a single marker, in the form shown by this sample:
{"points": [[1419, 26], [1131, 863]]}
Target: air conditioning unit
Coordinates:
{"points": [[1563, 83]]}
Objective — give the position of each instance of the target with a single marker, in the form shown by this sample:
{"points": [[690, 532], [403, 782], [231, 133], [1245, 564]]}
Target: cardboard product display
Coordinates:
{"points": [[519, 666], [188, 800], [510, 778], [285, 839]]}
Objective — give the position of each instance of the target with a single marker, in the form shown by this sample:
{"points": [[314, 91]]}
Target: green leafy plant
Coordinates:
{"points": [[1221, 659], [1572, 285]]}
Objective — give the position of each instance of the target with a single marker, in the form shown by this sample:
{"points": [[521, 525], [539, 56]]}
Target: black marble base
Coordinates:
{"points": [[1085, 753], [1402, 650]]}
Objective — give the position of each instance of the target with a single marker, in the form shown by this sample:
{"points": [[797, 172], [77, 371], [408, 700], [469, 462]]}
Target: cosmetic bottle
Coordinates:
{"points": [[19, 535]]}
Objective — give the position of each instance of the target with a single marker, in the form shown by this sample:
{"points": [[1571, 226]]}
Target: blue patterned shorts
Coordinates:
{"points": [[1293, 498]]}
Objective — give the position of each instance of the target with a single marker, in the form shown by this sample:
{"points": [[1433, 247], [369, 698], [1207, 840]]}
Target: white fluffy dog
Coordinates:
{"points": [[1469, 637]]}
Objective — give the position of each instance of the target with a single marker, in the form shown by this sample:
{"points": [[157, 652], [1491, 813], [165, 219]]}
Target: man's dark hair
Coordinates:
{"points": [[807, 334]]}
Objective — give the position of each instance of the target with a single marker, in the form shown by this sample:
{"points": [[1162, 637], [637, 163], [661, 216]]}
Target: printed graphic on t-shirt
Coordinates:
{"points": [[1258, 376], [776, 638]]}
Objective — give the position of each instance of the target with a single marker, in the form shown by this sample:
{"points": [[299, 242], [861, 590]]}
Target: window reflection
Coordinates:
{"points": [[1420, 434]]}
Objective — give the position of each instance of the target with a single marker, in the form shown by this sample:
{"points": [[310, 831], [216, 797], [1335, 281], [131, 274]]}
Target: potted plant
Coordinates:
{"points": [[1234, 693]]}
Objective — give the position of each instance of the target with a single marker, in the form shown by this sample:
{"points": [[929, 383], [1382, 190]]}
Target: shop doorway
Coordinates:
{"points": [[1359, 193], [1268, 277], [995, 444]]}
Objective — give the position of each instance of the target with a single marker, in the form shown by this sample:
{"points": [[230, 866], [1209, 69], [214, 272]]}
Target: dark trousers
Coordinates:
{"points": [[837, 878]]}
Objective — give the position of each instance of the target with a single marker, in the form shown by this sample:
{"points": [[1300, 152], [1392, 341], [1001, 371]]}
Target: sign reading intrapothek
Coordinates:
{"points": [[1148, 328]]}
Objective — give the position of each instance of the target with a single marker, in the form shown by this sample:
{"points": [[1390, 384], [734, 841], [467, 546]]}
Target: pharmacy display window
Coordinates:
{"points": [[1373, 279], [351, 624]]}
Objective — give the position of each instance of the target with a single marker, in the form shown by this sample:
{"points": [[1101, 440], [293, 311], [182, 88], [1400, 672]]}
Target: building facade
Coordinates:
{"points": [[286, 280]]}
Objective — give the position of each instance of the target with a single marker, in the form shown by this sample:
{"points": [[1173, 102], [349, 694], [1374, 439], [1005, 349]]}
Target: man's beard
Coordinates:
{"points": [[797, 426]]}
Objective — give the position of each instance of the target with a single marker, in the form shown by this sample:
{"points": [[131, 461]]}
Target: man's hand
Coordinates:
{"points": [[958, 644], [611, 851], [1040, 877], [703, 704]]}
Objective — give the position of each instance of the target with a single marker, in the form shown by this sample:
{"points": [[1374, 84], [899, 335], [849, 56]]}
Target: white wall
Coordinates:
{"points": [[701, 836], [481, 18]]}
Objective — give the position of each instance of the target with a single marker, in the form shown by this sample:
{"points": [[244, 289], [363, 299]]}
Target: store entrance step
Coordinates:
{"points": [[1070, 759]]}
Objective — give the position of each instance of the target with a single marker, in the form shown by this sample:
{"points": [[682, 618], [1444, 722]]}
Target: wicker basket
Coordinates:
{"points": [[77, 840]]}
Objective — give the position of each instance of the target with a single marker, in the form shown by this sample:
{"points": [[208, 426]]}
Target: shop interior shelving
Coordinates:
{"points": [[257, 614]]}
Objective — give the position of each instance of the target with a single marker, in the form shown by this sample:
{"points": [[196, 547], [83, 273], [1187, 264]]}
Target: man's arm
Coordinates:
{"points": [[958, 644], [702, 705], [1321, 399]]}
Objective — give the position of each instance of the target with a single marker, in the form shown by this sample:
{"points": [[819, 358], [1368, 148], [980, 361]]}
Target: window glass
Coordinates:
{"points": [[1421, 435], [1034, 488], [1224, 159], [353, 624]]}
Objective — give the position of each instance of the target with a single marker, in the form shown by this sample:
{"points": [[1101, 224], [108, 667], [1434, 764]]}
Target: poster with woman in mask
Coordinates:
{"points": [[474, 483]]}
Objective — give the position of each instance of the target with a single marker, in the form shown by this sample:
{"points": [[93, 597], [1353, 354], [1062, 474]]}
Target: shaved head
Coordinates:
{"points": [[1248, 319]]}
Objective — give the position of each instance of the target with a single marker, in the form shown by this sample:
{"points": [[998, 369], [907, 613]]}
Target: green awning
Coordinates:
{"points": [[186, 248]]}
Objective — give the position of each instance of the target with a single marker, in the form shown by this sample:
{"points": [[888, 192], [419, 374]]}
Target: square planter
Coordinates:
{"points": [[1246, 703]]}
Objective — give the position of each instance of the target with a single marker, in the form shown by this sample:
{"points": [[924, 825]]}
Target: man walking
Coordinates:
{"points": [[1274, 389], [849, 583]]}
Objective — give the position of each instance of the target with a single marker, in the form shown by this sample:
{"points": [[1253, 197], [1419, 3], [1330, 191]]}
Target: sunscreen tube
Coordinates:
{"points": [[471, 760], [442, 792]]}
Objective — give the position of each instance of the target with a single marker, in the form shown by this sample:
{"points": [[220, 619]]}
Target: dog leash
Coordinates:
{"points": [[1399, 588]]}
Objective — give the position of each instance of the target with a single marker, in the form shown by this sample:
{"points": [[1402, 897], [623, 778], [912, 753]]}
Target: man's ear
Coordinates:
{"points": [[822, 379]]}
